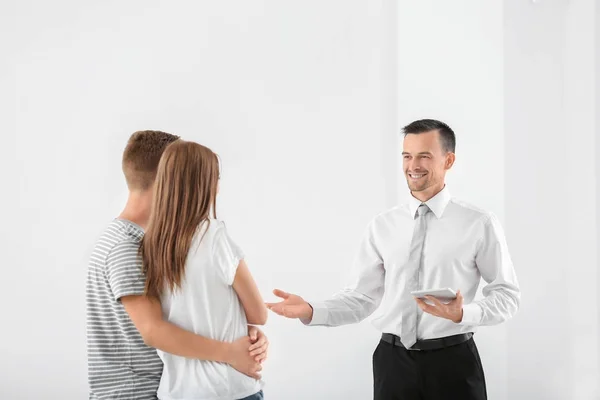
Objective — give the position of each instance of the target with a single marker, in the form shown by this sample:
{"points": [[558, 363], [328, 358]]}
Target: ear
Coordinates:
{"points": [[450, 157]]}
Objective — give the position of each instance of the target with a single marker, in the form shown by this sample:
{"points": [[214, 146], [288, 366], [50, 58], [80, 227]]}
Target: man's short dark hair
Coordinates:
{"points": [[141, 157], [427, 125]]}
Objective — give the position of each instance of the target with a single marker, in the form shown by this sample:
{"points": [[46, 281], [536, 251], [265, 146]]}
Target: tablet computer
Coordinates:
{"points": [[444, 294]]}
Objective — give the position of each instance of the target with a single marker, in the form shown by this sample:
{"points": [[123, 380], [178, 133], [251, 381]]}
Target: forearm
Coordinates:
{"points": [[346, 307], [175, 340]]}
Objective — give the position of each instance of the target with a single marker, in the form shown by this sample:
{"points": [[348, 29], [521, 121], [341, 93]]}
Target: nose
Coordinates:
{"points": [[413, 164]]}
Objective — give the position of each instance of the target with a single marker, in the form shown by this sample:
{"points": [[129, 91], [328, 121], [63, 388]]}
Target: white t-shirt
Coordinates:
{"points": [[207, 305]]}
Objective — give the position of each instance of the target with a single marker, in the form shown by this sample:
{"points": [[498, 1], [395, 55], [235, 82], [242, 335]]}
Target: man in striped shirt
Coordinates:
{"points": [[123, 325]]}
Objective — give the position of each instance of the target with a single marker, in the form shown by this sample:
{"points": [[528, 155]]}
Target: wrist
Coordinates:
{"points": [[459, 317], [224, 352], [306, 319]]}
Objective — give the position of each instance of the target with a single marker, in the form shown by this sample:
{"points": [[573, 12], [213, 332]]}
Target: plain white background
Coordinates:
{"points": [[304, 102], [551, 197]]}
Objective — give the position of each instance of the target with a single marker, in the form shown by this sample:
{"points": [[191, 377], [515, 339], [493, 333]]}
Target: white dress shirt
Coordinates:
{"points": [[462, 245]]}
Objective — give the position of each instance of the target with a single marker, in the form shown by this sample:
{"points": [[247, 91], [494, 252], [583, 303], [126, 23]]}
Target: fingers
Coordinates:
{"points": [[435, 301], [458, 301], [257, 368], [259, 350], [261, 358], [459, 296], [422, 305], [253, 333], [277, 308], [281, 293], [440, 309], [255, 372], [272, 306], [427, 308], [285, 311], [259, 334], [259, 343]]}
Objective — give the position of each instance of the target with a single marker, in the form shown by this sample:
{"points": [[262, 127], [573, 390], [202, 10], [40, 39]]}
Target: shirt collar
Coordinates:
{"points": [[437, 204]]}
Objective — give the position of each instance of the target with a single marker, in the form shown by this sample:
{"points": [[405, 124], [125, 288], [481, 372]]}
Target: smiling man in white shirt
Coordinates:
{"points": [[426, 350]]}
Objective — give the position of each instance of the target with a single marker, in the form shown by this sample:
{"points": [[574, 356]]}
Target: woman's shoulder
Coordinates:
{"points": [[208, 234], [215, 225], [217, 238], [213, 228]]}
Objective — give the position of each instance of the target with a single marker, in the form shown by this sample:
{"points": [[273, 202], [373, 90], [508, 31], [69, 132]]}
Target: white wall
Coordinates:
{"points": [[296, 98], [597, 99], [450, 67], [550, 195], [580, 108], [303, 103]]}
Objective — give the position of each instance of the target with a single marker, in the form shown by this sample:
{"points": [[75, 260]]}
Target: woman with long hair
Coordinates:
{"points": [[199, 275]]}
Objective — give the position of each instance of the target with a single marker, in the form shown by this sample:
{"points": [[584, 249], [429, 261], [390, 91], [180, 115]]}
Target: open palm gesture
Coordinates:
{"points": [[292, 306]]}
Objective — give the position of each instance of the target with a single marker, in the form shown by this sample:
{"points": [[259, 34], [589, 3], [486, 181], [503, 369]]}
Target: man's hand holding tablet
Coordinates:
{"points": [[443, 303]]}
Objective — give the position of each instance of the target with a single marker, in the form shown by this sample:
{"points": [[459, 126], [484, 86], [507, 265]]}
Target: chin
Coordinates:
{"points": [[419, 188]]}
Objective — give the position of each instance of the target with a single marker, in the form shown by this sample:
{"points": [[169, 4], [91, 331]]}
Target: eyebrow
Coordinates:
{"points": [[423, 152]]}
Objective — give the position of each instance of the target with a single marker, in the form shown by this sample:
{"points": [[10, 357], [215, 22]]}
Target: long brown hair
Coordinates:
{"points": [[184, 197]]}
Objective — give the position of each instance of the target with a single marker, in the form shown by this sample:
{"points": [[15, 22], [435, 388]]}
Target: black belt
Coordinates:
{"points": [[429, 344]]}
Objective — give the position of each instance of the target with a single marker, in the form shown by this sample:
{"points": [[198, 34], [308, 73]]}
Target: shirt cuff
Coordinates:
{"points": [[472, 314], [128, 290], [320, 315]]}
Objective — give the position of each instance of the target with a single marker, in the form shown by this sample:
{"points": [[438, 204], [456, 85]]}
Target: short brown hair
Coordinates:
{"points": [[142, 155], [447, 137]]}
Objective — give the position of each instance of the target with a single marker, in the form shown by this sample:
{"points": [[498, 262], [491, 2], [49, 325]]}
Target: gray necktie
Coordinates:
{"points": [[408, 334]]}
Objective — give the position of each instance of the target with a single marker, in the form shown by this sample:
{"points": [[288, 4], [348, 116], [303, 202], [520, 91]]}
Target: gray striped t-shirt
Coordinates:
{"points": [[120, 365]]}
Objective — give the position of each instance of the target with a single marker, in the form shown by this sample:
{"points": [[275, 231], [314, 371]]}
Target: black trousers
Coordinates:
{"points": [[451, 373]]}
